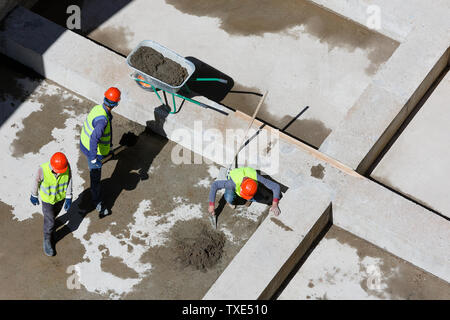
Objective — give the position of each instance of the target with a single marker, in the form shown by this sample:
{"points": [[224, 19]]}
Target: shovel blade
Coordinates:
{"points": [[213, 220]]}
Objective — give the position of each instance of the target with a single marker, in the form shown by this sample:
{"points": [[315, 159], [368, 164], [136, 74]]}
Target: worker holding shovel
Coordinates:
{"points": [[96, 142], [54, 182], [243, 182]]}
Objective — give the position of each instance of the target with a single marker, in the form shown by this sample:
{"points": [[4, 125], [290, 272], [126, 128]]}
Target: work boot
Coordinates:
{"points": [[248, 203], [48, 248], [102, 211], [232, 206]]}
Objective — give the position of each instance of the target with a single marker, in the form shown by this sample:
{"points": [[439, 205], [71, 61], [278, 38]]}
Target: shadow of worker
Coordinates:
{"points": [[133, 164], [71, 220]]}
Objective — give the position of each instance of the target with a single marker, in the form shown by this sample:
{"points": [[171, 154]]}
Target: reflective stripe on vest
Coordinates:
{"points": [[52, 189], [104, 144], [238, 174]]}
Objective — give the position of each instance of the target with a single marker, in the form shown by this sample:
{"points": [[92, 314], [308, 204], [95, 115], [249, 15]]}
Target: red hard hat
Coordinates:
{"points": [[59, 162], [113, 94], [248, 188]]}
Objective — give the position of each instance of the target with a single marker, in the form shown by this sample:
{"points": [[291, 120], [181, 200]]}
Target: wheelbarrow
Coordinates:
{"points": [[150, 83]]}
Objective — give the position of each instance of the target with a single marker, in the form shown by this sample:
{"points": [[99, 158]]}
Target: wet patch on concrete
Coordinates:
{"points": [[318, 171], [5, 209], [117, 37], [26, 273], [246, 100], [117, 267], [280, 224], [56, 109], [258, 17], [312, 131], [402, 279]]}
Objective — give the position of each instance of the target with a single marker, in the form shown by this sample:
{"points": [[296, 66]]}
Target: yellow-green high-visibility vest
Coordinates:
{"points": [[104, 144], [52, 189], [238, 174]]}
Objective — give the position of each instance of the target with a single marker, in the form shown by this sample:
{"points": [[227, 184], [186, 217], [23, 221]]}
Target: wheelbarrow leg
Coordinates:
{"points": [[165, 97], [174, 104]]}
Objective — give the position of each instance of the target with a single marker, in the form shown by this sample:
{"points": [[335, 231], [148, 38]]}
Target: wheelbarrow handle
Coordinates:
{"points": [[113, 153], [212, 79]]}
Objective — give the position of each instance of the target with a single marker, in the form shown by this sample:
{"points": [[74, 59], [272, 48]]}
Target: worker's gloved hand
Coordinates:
{"points": [[67, 204], [275, 209], [211, 210], [95, 164], [34, 200]]}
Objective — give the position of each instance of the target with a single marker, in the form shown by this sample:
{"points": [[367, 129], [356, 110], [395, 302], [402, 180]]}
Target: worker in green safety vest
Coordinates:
{"points": [[54, 183], [96, 142], [243, 182]]}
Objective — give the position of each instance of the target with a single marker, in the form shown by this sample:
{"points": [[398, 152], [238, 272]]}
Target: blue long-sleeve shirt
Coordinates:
{"points": [[230, 185], [99, 124]]}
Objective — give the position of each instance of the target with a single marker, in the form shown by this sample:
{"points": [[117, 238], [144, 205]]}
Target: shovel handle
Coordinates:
{"points": [[113, 153]]}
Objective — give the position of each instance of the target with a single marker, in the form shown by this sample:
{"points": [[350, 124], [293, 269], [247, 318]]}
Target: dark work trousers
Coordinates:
{"points": [[96, 190], [50, 212]]}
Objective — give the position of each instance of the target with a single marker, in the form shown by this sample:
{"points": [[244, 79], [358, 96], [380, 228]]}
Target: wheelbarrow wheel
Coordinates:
{"points": [[143, 85]]}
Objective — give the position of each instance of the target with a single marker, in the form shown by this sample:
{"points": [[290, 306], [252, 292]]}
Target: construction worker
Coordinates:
{"points": [[243, 182], [96, 143], [54, 181]]}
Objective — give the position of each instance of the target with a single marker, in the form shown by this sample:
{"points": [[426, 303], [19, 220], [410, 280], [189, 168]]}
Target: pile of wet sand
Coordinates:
{"points": [[156, 65], [196, 244]]}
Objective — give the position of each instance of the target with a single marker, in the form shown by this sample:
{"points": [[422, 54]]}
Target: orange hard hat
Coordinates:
{"points": [[113, 94], [248, 188], [59, 162]]}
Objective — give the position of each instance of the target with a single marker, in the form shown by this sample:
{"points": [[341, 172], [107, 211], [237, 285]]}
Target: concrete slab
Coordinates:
{"points": [[391, 222], [362, 271], [417, 163], [395, 91], [317, 59]]}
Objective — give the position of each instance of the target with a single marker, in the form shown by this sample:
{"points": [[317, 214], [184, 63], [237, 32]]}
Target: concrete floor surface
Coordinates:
{"points": [[139, 252], [305, 56]]}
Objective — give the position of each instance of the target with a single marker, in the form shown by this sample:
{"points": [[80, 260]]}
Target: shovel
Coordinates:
{"points": [[213, 220], [223, 172]]}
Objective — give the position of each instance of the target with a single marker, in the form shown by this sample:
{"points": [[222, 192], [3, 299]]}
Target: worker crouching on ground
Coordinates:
{"points": [[96, 143], [54, 182], [243, 182]]}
